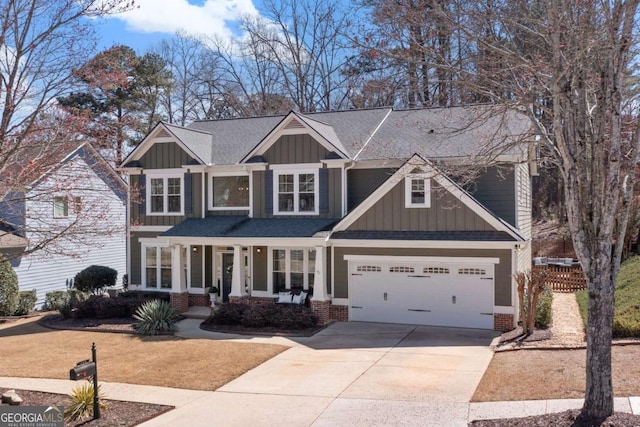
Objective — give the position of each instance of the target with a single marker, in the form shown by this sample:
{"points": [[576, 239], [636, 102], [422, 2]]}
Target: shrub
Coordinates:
{"points": [[228, 314], [146, 295], [8, 288], [82, 403], [94, 278], [102, 307], [155, 317], [544, 311], [26, 302], [55, 300], [258, 316]]}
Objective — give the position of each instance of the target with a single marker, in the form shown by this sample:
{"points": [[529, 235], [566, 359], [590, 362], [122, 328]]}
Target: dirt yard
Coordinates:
{"points": [[30, 350]]}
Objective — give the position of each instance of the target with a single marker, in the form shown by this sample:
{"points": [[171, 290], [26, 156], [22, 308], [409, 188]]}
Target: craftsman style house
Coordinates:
{"points": [[352, 207]]}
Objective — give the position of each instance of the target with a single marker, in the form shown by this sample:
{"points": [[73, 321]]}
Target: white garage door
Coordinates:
{"points": [[457, 294]]}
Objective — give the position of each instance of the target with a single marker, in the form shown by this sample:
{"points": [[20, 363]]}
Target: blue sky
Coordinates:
{"points": [[153, 20]]}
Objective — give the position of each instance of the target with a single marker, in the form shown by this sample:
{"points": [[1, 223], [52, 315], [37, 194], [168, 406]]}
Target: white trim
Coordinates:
{"points": [[408, 189], [296, 171], [229, 169], [340, 301], [373, 133], [248, 241], [275, 134], [429, 170], [151, 228], [421, 259], [500, 309], [150, 140], [440, 244], [153, 240], [210, 179], [165, 175], [297, 166], [158, 245]]}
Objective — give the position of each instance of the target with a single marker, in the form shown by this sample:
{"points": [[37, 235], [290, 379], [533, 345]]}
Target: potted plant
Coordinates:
{"points": [[213, 295]]}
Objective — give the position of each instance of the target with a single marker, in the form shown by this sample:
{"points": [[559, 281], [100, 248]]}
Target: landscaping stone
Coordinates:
{"points": [[11, 397]]}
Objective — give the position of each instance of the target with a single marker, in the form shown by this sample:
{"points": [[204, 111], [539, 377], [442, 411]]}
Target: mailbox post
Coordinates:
{"points": [[85, 369]]}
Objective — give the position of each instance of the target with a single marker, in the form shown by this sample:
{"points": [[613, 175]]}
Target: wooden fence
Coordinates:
{"points": [[564, 279]]}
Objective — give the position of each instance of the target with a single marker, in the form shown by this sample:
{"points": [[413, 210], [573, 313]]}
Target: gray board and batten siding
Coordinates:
{"points": [[447, 213], [164, 155], [295, 149], [135, 254], [495, 189], [502, 271]]}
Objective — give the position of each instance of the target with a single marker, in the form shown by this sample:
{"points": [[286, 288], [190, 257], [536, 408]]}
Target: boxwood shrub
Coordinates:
{"points": [[278, 316], [26, 302]]}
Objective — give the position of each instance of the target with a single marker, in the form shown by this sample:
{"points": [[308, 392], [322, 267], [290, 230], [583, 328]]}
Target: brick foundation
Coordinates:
{"points": [[180, 302], [503, 322], [339, 313], [199, 300]]}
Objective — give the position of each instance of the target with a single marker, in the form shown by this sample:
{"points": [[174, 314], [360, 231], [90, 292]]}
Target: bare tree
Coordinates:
{"points": [[41, 42]]}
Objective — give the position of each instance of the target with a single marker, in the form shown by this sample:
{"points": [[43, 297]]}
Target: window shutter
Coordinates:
{"points": [[268, 191], [188, 193], [142, 188], [323, 190]]}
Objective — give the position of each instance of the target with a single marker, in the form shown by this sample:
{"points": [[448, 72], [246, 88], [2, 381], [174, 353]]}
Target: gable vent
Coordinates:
{"points": [[163, 134], [294, 124]]}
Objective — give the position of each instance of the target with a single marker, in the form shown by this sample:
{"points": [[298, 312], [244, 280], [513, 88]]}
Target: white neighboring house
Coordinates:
{"points": [[77, 212]]}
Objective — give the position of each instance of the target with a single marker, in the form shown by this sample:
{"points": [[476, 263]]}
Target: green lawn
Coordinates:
{"points": [[626, 322]]}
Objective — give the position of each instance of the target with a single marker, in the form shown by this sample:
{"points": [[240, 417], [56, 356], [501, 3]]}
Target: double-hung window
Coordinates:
{"points": [[165, 195], [417, 191], [295, 192], [61, 206], [157, 267], [293, 268]]}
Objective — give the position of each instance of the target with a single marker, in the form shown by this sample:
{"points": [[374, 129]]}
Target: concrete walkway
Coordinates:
{"points": [[349, 374]]}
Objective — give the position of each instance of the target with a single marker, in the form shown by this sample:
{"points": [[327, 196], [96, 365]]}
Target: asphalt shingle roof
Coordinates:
{"points": [[242, 226]]}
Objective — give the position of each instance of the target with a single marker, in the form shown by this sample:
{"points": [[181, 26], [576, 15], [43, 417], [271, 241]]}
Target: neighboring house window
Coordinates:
{"points": [[230, 192], [60, 207], [295, 192], [293, 268], [158, 267], [417, 191], [165, 195]]}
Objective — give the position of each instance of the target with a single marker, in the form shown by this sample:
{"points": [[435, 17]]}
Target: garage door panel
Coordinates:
{"points": [[422, 294]]}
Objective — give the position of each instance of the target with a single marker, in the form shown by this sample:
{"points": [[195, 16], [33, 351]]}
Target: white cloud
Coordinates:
{"points": [[210, 17]]}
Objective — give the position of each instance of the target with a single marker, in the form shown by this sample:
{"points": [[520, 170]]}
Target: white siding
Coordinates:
{"points": [[523, 199], [96, 234]]}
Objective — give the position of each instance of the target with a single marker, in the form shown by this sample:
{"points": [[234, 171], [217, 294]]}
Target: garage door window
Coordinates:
{"points": [[472, 271], [435, 270], [368, 269], [401, 269]]}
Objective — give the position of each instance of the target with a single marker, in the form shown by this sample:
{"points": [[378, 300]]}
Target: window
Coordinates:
{"points": [[164, 196], [60, 207], [369, 268], [230, 192], [417, 192], [293, 268], [401, 270], [435, 270], [472, 271], [296, 192], [158, 267]]}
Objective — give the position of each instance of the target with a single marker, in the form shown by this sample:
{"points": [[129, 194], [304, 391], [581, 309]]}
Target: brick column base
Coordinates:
{"points": [[180, 302], [322, 310], [503, 322], [199, 300]]}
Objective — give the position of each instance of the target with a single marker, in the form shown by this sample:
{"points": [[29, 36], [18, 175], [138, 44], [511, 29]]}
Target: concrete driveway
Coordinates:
{"points": [[354, 374]]}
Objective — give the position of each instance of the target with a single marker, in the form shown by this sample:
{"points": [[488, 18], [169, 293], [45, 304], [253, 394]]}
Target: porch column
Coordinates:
{"points": [[319, 278], [179, 296], [178, 281], [237, 278]]}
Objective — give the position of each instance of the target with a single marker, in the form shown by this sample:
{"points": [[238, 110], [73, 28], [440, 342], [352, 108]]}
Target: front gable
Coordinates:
{"points": [[298, 139], [448, 209], [161, 149]]}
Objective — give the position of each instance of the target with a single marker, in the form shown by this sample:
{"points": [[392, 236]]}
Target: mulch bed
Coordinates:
{"points": [[571, 418], [117, 324], [116, 413], [516, 336]]}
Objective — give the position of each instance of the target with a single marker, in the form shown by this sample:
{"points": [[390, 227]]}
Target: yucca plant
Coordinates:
{"points": [[155, 317], [82, 403]]}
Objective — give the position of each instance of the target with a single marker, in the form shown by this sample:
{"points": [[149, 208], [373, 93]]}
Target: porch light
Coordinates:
{"points": [[194, 249], [258, 250]]}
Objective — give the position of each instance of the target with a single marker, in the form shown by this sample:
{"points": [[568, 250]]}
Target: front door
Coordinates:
{"points": [[227, 275]]}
